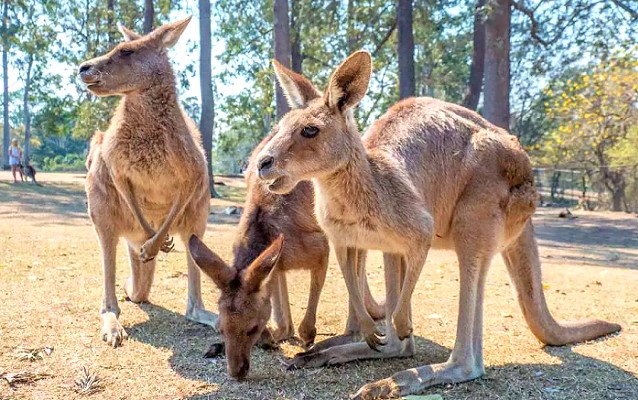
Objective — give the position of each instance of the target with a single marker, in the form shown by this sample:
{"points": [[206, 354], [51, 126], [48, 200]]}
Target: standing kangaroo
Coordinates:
{"points": [[147, 175], [427, 173], [257, 276]]}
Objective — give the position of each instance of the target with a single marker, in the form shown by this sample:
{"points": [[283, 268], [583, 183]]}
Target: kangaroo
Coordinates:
{"points": [[427, 173], [256, 281], [147, 175]]}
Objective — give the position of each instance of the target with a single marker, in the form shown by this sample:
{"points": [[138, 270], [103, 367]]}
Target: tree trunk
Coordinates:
{"points": [[27, 112], [149, 15], [617, 199], [350, 33], [282, 49], [616, 184], [207, 120], [405, 49], [110, 18], [296, 56], [478, 59], [5, 81], [496, 106]]}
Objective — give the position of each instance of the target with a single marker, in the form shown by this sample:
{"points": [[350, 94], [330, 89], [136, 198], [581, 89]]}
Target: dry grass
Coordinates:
{"points": [[50, 293]]}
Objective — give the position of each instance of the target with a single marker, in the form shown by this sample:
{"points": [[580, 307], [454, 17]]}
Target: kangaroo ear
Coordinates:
{"points": [[259, 271], [297, 89], [210, 263], [128, 34], [170, 33], [349, 82]]}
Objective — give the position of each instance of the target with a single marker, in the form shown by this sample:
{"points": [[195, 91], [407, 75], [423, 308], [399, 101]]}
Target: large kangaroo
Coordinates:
{"points": [[147, 175], [427, 173]]}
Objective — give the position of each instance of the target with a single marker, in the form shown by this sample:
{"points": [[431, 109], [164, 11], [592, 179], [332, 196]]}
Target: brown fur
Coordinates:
{"points": [[147, 175], [428, 173], [243, 305], [94, 148]]}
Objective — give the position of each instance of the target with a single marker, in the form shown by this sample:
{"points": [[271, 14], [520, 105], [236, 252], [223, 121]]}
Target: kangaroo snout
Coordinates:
{"points": [[84, 68], [85, 72], [264, 165]]}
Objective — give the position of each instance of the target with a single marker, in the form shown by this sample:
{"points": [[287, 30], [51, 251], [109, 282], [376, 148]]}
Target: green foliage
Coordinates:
{"points": [[68, 162], [595, 115], [566, 40], [329, 31]]}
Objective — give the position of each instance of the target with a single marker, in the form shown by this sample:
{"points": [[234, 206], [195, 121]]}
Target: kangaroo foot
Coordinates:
{"points": [[203, 316], [112, 331], [402, 325]]}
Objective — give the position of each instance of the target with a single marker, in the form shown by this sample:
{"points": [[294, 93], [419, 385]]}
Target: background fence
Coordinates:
{"points": [[586, 187]]}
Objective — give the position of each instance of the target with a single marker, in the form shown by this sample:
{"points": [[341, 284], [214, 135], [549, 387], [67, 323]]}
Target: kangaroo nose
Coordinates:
{"points": [[266, 163], [84, 67]]}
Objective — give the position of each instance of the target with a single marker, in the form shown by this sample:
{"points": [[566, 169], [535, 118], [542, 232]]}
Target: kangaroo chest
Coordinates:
{"points": [[156, 172], [347, 228]]}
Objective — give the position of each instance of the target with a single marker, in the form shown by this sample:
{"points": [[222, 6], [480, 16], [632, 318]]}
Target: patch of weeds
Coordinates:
{"points": [[26, 354], [88, 383]]}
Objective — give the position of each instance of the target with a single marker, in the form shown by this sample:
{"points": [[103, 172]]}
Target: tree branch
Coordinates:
{"points": [[532, 19], [385, 38], [632, 13]]}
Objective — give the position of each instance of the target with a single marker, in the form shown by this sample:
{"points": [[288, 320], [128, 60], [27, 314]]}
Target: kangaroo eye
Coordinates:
{"points": [[309, 132], [253, 330], [126, 52]]}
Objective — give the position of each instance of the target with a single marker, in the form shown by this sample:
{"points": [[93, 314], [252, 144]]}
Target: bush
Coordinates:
{"points": [[69, 162]]}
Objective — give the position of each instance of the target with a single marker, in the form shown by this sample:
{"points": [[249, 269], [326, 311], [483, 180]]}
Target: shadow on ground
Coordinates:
{"points": [[65, 200], [590, 239], [574, 377]]}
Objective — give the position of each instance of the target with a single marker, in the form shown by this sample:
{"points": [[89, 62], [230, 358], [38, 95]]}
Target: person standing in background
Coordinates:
{"points": [[15, 155]]}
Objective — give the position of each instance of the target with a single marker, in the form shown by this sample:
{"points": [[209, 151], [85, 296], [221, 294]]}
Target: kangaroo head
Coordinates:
{"points": [[136, 64], [317, 136], [244, 302]]}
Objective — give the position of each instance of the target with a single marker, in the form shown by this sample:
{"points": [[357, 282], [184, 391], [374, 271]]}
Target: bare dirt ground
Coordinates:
{"points": [[50, 294]]}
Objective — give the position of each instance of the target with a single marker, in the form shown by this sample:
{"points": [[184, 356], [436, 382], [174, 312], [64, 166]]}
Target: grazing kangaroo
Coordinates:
{"points": [[147, 175], [427, 173], [27, 172], [257, 277]]}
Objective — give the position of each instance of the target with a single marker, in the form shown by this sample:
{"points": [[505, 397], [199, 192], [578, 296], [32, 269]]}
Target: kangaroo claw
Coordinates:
{"points": [[168, 245]]}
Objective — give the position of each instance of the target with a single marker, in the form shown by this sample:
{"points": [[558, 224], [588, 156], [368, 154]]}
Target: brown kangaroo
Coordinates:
{"points": [[427, 173], [257, 277], [147, 175]]}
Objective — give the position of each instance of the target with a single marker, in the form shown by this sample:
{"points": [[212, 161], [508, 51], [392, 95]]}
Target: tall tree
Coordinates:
{"points": [[496, 101], [149, 15], [207, 119], [593, 113], [5, 82], [296, 57], [34, 41], [110, 23], [406, 49], [475, 83], [281, 45], [26, 109]]}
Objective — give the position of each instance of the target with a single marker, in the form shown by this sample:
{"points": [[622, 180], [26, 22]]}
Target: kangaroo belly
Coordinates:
{"points": [[353, 235]]}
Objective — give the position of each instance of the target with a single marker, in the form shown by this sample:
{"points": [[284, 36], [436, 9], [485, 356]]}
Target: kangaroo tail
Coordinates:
{"points": [[523, 264]]}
